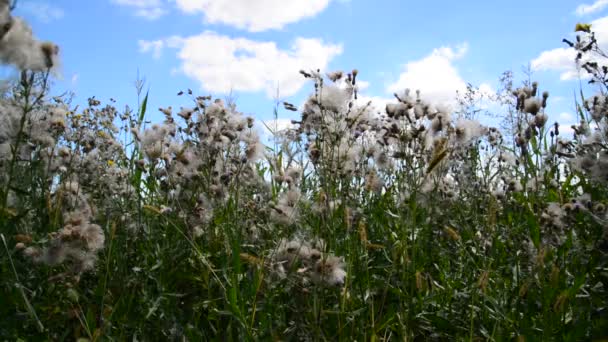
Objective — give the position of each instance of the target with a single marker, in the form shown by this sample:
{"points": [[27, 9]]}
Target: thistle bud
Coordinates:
{"points": [[545, 97]]}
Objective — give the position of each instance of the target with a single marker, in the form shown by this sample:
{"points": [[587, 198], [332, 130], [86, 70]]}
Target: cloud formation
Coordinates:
{"points": [[563, 59], [434, 75], [156, 46], [148, 9], [222, 64], [42, 11], [254, 16], [586, 9], [559, 59]]}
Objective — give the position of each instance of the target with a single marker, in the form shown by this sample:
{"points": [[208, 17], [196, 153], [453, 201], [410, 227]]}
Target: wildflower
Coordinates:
{"points": [[438, 123], [197, 231], [335, 76], [540, 119], [466, 130], [49, 51], [532, 106], [514, 185], [545, 97], [553, 215], [329, 271], [396, 110], [94, 237], [334, 99], [167, 111], [382, 159], [255, 151], [507, 157], [185, 113], [295, 173], [32, 252], [19, 47], [373, 182], [286, 211]]}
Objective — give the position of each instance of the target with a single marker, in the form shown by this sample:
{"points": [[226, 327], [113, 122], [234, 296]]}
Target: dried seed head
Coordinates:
{"points": [[532, 106], [49, 51], [6, 27], [452, 233]]}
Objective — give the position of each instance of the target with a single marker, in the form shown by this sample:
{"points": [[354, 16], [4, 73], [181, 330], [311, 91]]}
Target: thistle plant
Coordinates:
{"points": [[407, 221]]}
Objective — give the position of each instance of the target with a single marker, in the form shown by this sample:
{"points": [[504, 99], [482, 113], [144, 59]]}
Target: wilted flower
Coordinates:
{"points": [[329, 271]]}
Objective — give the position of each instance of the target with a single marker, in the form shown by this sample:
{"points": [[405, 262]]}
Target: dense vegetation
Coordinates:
{"points": [[360, 223]]}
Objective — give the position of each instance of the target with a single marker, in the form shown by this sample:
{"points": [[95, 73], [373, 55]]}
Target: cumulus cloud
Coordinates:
{"points": [[42, 11], [586, 9], [434, 75], [222, 64], [148, 9], [563, 59], [565, 116], [156, 46], [559, 59], [253, 15]]}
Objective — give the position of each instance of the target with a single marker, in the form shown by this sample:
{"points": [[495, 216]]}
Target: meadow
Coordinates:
{"points": [[406, 222]]}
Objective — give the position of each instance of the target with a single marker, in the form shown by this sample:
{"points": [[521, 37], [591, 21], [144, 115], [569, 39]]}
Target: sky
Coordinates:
{"points": [[253, 49]]}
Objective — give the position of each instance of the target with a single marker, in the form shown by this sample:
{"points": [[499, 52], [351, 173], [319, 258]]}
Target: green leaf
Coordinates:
{"points": [[142, 110]]}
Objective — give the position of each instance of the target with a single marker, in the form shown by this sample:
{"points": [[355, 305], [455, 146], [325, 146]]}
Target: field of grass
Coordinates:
{"points": [[409, 222]]}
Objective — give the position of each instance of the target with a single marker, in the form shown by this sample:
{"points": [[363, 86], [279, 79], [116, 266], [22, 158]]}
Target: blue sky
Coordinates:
{"points": [[253, 46]]}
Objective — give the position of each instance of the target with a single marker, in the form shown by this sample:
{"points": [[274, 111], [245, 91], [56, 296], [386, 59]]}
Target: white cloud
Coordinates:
{"points": [[565, 116], [362, 85], [434, 75], [222, 64], [148, 9], [560, 59], [486, 90], [156, 46], [254, 15], [42, 11], [563, 59], [600, 27], [75, 78], [585, 9]]}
